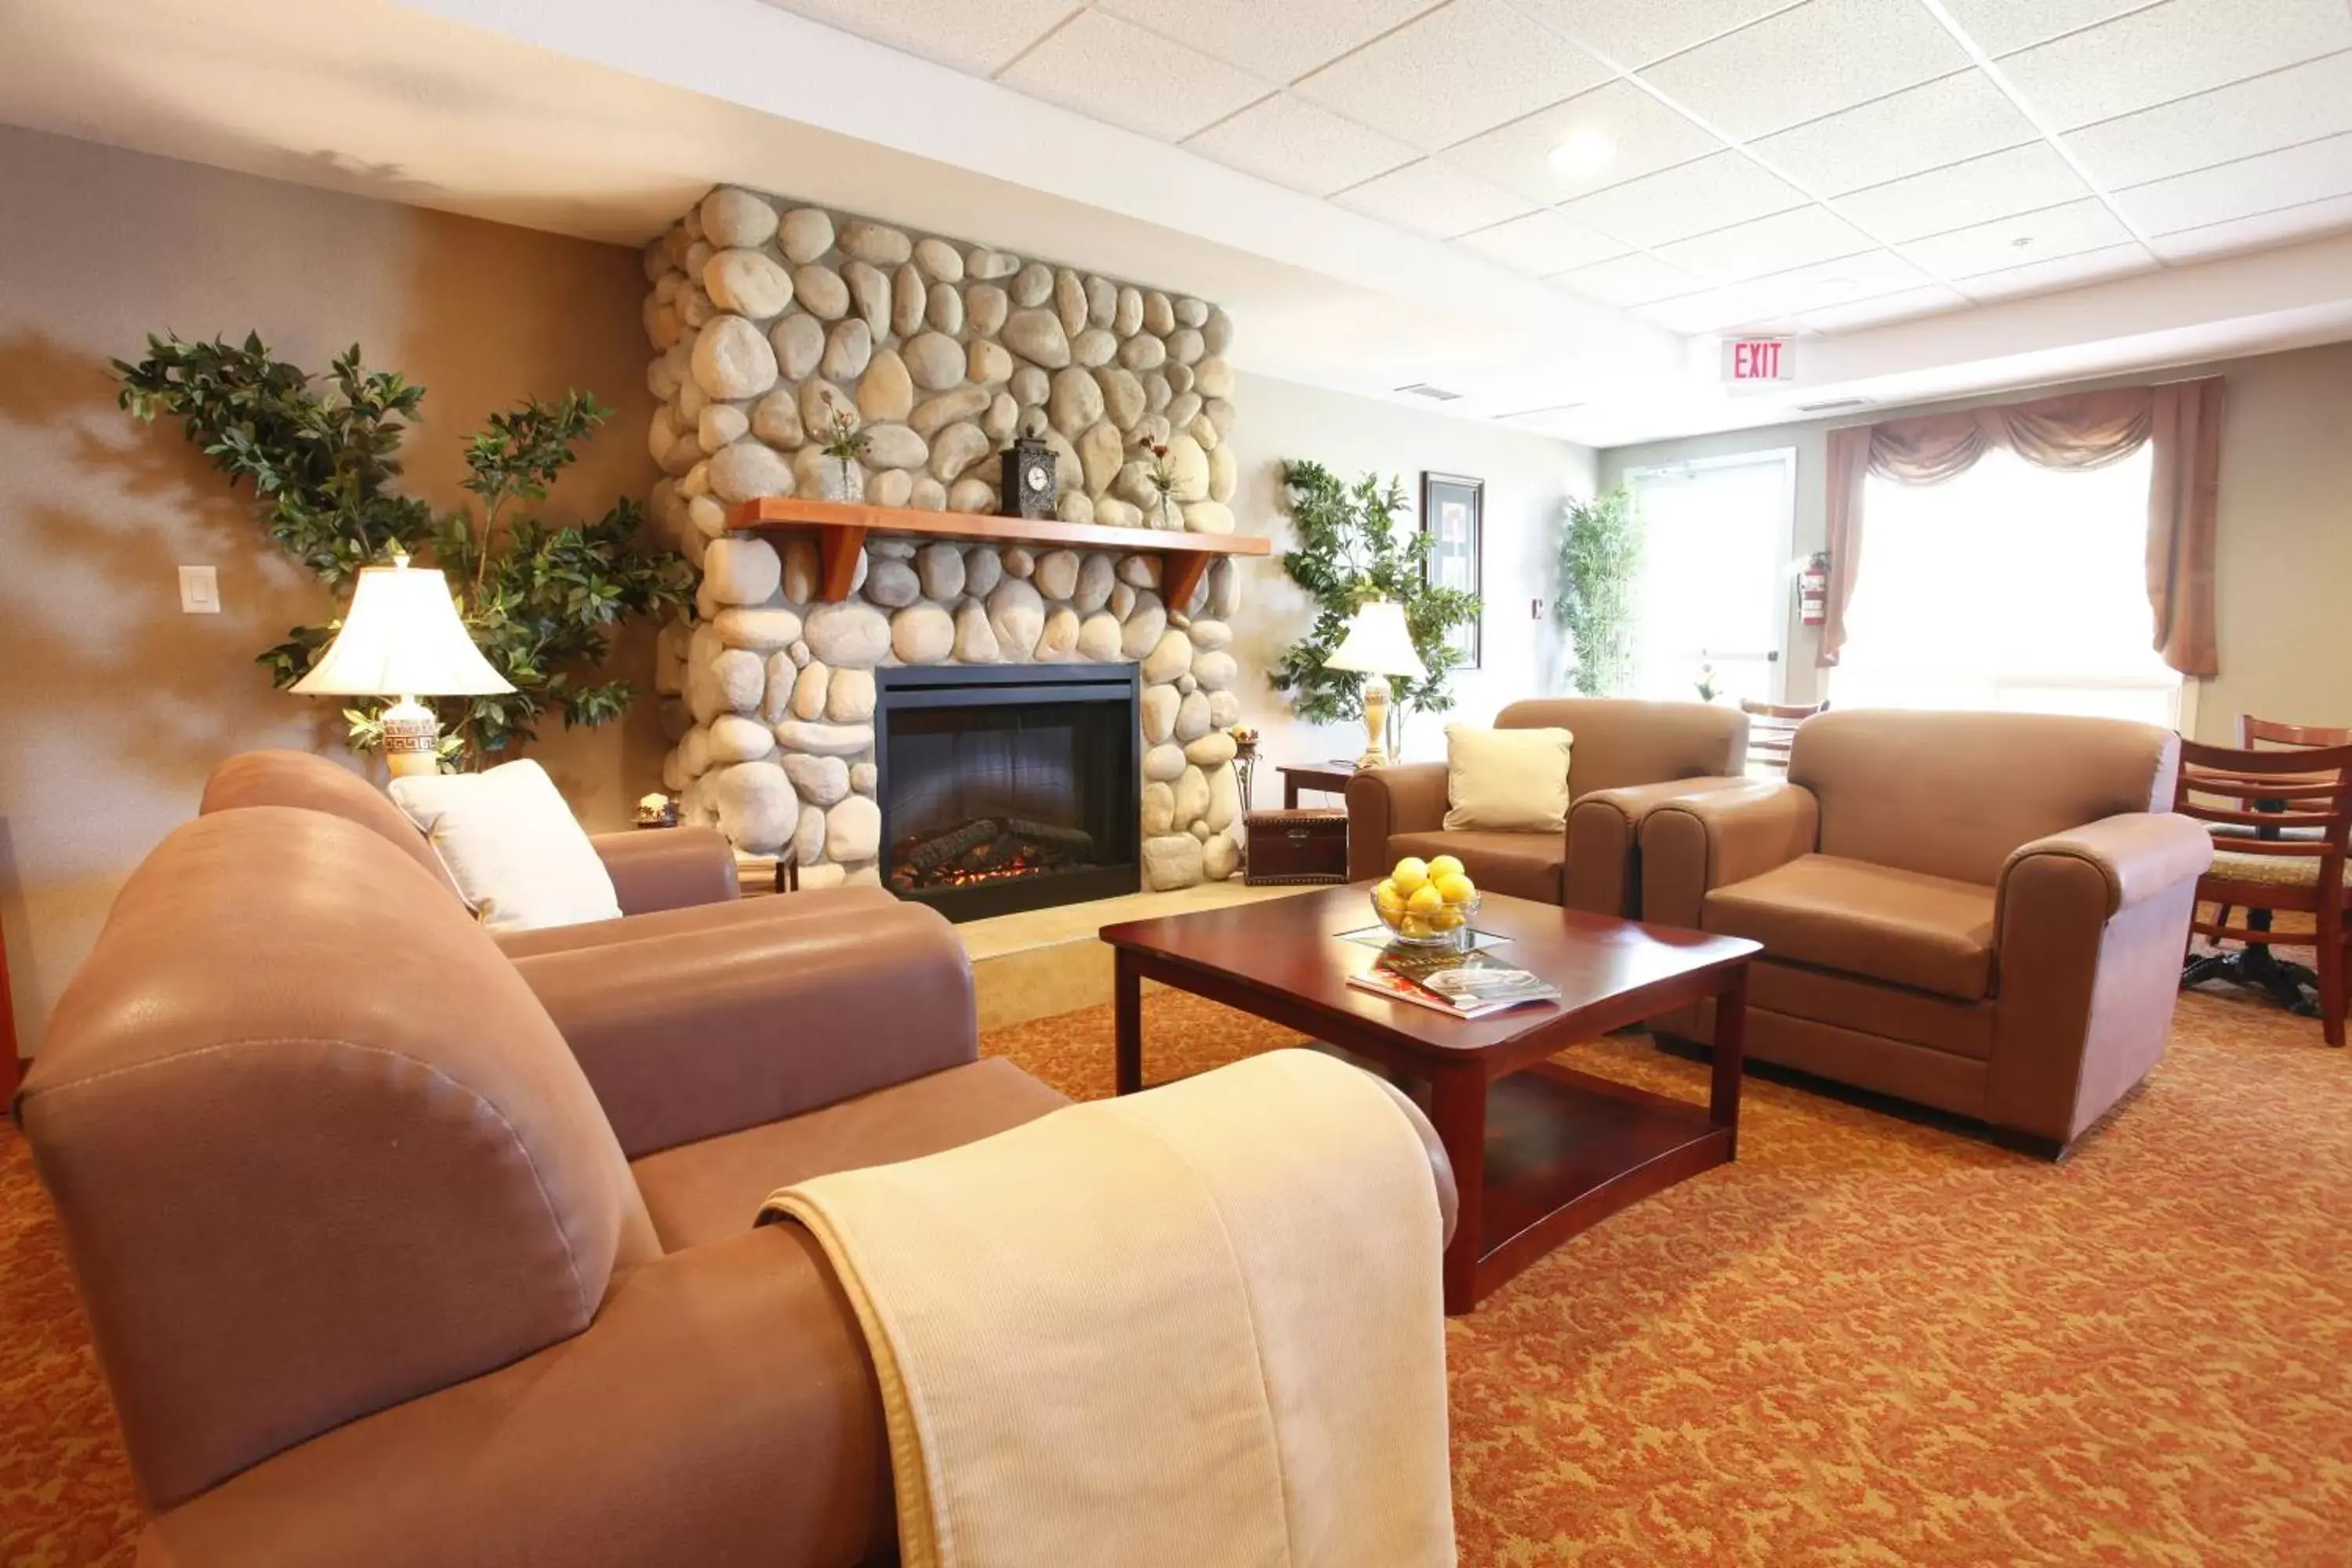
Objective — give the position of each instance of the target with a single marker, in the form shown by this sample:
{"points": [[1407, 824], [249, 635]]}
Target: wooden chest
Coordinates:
{"points": [[1291, 846]]}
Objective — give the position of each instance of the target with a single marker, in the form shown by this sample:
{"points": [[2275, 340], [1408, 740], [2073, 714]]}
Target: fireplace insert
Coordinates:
{"points": [[1008, 787]]}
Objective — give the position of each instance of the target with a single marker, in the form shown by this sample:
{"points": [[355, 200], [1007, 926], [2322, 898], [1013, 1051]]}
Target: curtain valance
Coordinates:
{"points": [[2080, 430]]}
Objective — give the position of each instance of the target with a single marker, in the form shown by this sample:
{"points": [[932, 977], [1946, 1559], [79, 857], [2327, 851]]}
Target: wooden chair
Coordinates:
{"points": [[1772, 726], [2281, 819]]}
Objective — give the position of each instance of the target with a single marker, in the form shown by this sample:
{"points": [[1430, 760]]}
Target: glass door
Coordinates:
{"points": [[1713, 594]]}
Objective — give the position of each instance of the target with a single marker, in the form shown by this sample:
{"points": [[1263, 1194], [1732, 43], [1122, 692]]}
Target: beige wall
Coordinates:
{"points": [[2284, 558], [113, 703], [1528, 479]]}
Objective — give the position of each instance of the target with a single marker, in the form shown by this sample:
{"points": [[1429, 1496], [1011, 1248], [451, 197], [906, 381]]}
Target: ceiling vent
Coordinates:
{"points": [[1434, 393], [1833, 404]]}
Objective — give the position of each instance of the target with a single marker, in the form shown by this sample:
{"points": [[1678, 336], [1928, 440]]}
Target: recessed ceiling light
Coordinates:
{"points": [[1585, 152]]}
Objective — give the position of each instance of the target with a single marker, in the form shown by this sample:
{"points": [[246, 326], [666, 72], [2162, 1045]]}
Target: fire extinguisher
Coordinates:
{"points": [[1813, 590]]}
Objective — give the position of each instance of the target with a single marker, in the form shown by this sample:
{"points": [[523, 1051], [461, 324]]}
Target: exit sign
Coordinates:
{"points": [[1758, 358]]}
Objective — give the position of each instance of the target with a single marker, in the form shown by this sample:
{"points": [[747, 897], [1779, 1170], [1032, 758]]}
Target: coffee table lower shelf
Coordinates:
{"points": [[1566, 1150]]}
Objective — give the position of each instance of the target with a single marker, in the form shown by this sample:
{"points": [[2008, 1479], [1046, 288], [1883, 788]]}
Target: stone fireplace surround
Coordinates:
{"points": [[767, 317]]}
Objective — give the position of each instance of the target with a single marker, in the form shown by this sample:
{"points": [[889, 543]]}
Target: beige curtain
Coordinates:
{"points": [[2082, 430]]}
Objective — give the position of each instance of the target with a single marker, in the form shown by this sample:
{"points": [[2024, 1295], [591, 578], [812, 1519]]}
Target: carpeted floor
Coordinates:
{"points": [[1868, 1343]]}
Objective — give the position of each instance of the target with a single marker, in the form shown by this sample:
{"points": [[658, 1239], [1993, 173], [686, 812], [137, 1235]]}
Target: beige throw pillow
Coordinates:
{"points": [[515, 850], [1510, 781]]}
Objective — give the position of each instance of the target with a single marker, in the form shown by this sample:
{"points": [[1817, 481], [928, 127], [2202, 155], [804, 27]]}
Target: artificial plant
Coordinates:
{"points": [[1351, 548], [1599, 555], [543, 601]]}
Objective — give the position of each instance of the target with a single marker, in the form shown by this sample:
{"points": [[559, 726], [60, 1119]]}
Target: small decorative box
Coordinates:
{"points": [[1293, 846]]}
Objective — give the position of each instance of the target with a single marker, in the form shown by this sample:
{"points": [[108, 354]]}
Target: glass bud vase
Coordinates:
{"points": [[840, 478]]}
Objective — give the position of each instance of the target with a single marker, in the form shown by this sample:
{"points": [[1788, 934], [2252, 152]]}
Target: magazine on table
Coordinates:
{"points": [[1466, 985]]}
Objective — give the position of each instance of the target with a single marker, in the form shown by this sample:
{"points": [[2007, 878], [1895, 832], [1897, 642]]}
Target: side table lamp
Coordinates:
{"points": [[403, 638], [1378, 644]]}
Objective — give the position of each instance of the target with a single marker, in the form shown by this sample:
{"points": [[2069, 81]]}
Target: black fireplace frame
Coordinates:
{"points": [[901, 687]]}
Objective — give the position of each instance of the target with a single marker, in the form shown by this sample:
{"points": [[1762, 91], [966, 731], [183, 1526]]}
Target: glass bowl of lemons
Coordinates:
{"points": [[1427, 903]]}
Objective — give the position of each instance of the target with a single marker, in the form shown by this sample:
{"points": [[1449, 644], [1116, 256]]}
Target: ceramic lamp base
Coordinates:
{"points": [[1376, 724], [412, 739]]}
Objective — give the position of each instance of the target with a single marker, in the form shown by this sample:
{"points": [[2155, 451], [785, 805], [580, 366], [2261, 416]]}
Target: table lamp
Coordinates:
{"points": [[1377, 643], [403, 638]]}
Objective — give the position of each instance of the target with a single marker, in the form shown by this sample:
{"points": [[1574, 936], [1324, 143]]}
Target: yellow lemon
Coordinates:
{"points": [[1386, 891], [1444, 865], [1423, 901], [1411, 872], [1453, 887], [1412, 925]]}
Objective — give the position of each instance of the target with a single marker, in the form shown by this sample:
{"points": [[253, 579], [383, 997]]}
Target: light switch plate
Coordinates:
{"points": [[199, 590]]}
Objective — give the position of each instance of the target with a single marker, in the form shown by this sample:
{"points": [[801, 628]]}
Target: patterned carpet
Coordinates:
{"points": [[1868, 1343]]}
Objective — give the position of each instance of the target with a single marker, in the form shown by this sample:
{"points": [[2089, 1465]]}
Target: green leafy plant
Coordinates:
{"points": [[1599, 555], [1352, 548], [542, 602]]}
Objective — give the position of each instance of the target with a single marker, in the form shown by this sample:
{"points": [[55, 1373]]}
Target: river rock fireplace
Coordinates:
{"points": [[1008, 788]]}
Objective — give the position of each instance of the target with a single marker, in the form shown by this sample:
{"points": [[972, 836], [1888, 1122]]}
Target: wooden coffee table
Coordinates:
{"points": [[1540, 1151]]}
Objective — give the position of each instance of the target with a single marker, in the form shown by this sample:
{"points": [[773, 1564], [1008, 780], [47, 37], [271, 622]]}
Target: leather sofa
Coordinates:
{"points": [[396, 1249], [1979, 912], [1624, 758]]}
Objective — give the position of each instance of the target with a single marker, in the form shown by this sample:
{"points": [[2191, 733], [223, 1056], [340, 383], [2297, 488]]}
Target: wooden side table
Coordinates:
{"points": [[1330, 778]]}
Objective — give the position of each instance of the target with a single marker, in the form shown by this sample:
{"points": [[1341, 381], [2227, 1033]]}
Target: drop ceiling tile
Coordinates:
{"points": [[1542, 243], [1466, 68], [2263, 183], [1115, 72], [2060, 272], [2004, 27], [1634, 33], [2301, 103], [1434, 198], [1709, 193], [1817, 287], [2023, 179], [975, 39], [1960, 116], [1777, 244], [1816, 60], [1280, 43], [2170, 51], [1628, 280], [1909, 304], [2020, 241], [1648, 135], [2288, 226], [1294, 142]]}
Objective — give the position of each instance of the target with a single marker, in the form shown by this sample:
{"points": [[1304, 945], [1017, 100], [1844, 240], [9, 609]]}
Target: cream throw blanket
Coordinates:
{"points": [[1197, 1327]]}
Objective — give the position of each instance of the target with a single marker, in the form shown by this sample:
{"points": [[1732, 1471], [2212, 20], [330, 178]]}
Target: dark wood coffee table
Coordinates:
{"points": [[1540, 1151]]}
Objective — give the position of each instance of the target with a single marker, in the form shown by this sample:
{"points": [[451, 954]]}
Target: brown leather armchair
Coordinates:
{"points": [[396, 1249], [1981, 913], [1623, 759]]}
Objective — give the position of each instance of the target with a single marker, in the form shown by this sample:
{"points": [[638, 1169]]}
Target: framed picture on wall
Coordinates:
{"points": [[1454, 513]]}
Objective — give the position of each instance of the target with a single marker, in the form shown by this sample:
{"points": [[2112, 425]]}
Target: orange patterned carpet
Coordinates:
{"points": [[1868, 1343]]}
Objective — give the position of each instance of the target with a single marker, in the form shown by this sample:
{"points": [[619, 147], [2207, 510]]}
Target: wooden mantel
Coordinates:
{"points": [[841, 527]]}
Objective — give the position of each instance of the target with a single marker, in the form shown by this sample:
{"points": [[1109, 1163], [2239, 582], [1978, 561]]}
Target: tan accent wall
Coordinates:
{"points": [[113, 703], [2283, 565]]}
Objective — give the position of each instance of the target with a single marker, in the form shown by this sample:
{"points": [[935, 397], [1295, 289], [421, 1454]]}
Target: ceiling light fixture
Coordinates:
{"points": [[1585, 152]]}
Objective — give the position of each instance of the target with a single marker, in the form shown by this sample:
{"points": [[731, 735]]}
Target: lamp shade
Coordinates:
{"points": [[1378, 643], [403, 637]]}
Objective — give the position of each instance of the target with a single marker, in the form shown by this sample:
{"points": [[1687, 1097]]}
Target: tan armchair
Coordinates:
{"points": [[1624, 759], [382, 1273], [1980, 912]]}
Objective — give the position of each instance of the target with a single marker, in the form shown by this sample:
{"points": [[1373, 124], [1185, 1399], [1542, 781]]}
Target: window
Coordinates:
{"points": [[2011, 586], [1714, 587]]}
